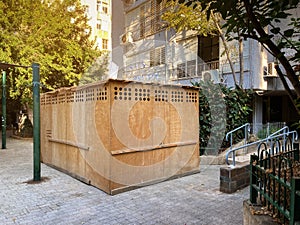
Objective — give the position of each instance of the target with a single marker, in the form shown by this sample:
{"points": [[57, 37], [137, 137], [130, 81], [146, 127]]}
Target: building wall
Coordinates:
{"points": [[139, 28], [99, 13], [107, 20], [118, 28], [255, 59], [137, 57], [142, 42], [259, 72]]}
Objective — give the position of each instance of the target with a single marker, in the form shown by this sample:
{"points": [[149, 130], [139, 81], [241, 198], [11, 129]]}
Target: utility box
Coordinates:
{"points": [[118, 135]]}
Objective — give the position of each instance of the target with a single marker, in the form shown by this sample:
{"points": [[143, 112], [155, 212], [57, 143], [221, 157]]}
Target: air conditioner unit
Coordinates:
{"points": [[212, 75], [126, 38], [270, 71]]}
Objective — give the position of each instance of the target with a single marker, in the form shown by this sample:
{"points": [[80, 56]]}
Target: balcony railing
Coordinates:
{"points": [[144, 72], [148, 25]]}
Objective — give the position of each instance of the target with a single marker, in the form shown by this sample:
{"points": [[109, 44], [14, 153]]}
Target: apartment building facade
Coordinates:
{"points": [[106, 18], [99, 13], [153, 53]]}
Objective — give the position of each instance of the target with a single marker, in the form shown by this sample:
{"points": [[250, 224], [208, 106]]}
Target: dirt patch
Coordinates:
{"points": [[43, 179]]}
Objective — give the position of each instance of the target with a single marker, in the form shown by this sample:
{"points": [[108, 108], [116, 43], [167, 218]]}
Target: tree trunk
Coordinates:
{"points": [[225, 47], [287, 88], [241, 57], [275, 50]]}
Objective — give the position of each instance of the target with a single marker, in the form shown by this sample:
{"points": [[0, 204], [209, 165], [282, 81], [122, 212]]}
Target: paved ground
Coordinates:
{"points": [[60, 199]]}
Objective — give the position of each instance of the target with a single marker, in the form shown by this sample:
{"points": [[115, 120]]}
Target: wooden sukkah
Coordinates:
{"points": [[118, 135]]}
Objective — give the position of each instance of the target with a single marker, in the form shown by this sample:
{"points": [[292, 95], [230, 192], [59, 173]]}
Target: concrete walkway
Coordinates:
{"points": [[60, 199]]}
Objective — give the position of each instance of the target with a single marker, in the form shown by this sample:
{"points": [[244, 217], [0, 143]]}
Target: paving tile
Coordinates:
{"points": [[62, 199]]}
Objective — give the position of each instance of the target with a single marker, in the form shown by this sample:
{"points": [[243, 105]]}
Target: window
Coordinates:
{"points": [[99, 6], [99, 26], [86, 10], [156, 11], [186, 69], [105, 8], [181, 70], [162, 55], [157, 56], [102, 7], [142, 22], [152, 57], [208, 48], [104, 44], [191, 68], [102, 24]]}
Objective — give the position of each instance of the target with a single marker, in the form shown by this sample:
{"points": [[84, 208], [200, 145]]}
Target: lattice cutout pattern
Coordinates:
{"points": [[177, 96], [142, 94], [90, 95], [161, 95], [79, 96], [61, 98], [70, 96], [191, 96], [53, 99], [48, 100], [101, 94], [122, 93]]}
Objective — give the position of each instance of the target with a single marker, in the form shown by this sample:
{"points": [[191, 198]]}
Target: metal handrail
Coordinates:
{"points": [[285, 128], [246, 127], [267, 139]]}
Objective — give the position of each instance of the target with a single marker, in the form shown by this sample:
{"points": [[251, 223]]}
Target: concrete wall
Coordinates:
{"points": [[257, 117], [118, 28]]}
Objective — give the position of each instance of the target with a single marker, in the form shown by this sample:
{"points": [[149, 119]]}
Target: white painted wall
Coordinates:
{"points": [[118, 28], [255, 58]]}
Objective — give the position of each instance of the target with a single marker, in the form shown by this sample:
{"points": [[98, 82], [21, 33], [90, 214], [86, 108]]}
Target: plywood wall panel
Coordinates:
{"points": [[117, 135]]}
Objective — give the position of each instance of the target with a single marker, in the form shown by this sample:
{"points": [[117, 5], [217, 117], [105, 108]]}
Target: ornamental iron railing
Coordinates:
{"points": [[275, 180]]}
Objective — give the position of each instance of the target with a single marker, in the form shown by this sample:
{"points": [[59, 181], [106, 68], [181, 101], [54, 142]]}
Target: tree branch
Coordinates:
{"points": [[264, 38], [225, 47], [287, 88], [287, 40]]}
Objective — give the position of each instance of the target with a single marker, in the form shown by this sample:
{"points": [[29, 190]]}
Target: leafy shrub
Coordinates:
{"points": [[263, 133], [238, 108]]}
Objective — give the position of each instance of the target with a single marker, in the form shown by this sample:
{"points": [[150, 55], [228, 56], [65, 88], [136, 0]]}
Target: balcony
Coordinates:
{"points": [[162, 73]]}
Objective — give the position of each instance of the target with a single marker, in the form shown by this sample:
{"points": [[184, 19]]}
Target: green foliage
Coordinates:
{"points": [[53, 33], [210, 101], [251, 18], [291, 42], [238, 103], [237, 111], [97, 71], [26, 129], [192, 17], [238, 16], [265, 132], [265, 22]]}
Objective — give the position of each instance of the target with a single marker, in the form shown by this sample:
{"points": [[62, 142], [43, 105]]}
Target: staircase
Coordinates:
{"points": [[240, 153]]}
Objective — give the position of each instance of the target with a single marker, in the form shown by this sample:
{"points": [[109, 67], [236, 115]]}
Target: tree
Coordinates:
{"points": [[237, 106], [54, 33], [192, 16], [251, 18], [183, 17], [98, 70]]}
